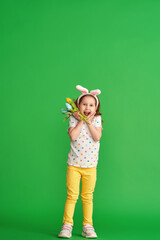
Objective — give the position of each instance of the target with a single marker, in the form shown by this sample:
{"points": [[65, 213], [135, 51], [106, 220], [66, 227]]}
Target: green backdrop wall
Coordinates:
{"points": [[47, 48]]}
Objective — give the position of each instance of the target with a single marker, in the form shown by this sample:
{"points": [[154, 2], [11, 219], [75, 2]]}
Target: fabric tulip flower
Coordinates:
{"points": [[71, 108], [63, 110]]}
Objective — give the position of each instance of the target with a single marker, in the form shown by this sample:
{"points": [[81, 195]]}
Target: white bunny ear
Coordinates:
{"points": [[82, 89], [95, 92]]}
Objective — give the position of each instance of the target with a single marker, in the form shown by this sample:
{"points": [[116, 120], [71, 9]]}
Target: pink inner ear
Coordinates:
{"points": [[82, 89], [95, 92]]}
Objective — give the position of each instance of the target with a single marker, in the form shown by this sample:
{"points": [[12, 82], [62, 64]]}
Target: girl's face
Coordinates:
{"points": [[87, 105]]}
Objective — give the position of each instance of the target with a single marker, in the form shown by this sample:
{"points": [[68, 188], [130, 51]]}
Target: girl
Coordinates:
{"points": [[82, 161]]}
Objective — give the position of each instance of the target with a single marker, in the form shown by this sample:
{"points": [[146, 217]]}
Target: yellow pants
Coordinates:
{"points": [[88, 177]]}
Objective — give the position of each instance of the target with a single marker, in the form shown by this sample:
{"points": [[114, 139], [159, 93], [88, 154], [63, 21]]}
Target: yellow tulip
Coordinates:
{"points": [[69, 100]]}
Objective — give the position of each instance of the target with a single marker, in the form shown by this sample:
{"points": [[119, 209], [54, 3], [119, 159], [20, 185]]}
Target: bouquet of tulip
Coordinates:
{"points": [[71, 108]]}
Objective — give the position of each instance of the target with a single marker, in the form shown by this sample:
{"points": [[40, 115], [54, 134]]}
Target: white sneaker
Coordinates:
{"points": [[66, 231], [88, 231]]}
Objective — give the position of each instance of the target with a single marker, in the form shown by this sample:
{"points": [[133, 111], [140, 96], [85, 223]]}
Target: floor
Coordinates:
{"points": [[9, 232]]}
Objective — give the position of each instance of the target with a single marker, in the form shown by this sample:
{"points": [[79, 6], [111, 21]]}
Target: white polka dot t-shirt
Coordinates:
{"points": [[84, 150]]}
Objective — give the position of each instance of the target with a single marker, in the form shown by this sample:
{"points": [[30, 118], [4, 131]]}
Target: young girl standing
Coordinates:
{"points": [[82, 161]]}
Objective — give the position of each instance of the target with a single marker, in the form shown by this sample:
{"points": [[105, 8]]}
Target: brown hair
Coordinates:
{"points": [[98, 108]]}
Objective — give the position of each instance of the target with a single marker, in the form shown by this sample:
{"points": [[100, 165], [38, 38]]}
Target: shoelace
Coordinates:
{"points": [[88, 228], [66, 228]]}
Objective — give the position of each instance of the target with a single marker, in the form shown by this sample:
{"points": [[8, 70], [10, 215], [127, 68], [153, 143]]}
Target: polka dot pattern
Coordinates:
{"points": [[84, 150]]}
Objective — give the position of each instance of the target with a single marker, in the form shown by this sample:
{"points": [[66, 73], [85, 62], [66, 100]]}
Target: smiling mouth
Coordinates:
{"points": [[86, 113]]}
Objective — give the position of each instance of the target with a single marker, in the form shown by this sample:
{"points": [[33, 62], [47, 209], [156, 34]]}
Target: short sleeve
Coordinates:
{"points": [[98, 121], [72, 122]]}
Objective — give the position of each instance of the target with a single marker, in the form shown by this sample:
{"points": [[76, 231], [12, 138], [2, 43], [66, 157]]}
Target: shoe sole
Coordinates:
{"points": [[64, 236], [84, 235]]}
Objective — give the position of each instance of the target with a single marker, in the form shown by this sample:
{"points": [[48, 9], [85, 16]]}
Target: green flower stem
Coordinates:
{"points": [[83, 118], [71, 111]]}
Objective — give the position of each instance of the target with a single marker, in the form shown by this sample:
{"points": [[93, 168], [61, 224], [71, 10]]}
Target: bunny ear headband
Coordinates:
{"points": [[85, 91]]}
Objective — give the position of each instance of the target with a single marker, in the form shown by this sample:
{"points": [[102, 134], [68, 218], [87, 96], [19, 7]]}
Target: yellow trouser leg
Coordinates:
{"points": [[73, 181], [89, 177]]}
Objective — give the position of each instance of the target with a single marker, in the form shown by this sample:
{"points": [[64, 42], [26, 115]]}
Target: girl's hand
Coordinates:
{"points": [[75, 114], [91, 117]]}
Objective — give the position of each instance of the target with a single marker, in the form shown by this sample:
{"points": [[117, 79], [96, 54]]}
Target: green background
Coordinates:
{"points": [[47, 48]]}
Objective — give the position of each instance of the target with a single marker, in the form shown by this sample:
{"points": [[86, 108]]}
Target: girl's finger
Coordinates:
{"points": [[92, 114]]}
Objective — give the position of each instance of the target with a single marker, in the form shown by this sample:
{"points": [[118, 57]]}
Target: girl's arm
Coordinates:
{"points": [[96, 132], [75, 131]]}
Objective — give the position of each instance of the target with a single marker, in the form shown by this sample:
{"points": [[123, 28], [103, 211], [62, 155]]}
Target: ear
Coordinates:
{"points": [[95, 92], [82, 89]]}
